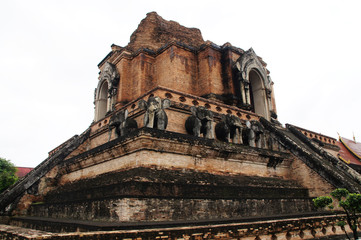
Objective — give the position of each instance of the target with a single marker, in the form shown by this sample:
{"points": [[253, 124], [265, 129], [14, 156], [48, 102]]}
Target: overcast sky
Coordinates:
{"points": [[49, 51]]}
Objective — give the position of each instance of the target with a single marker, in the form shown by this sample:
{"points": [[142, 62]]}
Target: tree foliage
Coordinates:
{"points": [[349, 202], [323, 202], [7, 174]]}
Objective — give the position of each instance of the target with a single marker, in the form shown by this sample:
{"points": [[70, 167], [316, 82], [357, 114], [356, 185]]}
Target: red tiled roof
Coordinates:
{"points": [[22, 171], [350, 151]]}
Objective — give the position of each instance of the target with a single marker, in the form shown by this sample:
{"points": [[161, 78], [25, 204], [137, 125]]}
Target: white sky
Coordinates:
{"points": [[49, 51]]}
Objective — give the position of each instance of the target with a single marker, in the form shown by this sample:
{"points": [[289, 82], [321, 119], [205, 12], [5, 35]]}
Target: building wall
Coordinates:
{"points": [[176, 68], [210, 72]]}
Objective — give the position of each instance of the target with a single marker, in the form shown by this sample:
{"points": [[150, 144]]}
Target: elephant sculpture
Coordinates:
{"points": [[122, 123], [258, 130], [155, 116], [253, 134], [229, 128], [201, 122]]}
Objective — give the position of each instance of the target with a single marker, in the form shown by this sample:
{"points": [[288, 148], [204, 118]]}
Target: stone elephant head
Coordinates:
{"points": [[229, 128], [155, 116], [254, 133], [122, 123], [201, 122]]}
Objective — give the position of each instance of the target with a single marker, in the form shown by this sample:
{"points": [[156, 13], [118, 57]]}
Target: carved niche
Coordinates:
{"points": [[254, 83], [111, 75], [105, 93]]}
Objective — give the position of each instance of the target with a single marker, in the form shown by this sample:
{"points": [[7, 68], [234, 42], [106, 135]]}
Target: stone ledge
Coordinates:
{"points": [[306, 226], [244, 221], [138, 145], [14, 232], [176, 138]]}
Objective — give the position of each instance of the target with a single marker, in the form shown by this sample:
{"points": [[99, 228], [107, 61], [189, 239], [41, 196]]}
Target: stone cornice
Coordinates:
{"points": [[121, 52]]}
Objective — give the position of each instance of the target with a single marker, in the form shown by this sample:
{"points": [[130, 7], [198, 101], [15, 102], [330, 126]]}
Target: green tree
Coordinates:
{"points": [[349, 202], [7, 174]]}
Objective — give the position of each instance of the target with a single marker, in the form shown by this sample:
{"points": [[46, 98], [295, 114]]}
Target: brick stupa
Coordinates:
{"points": [[185, 135]]}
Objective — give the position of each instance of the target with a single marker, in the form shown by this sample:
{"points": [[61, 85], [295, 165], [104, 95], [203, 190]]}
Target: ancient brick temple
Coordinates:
{"points": [[185, 144]]}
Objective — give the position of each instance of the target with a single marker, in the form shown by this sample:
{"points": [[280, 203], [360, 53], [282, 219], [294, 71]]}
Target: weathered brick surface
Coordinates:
{"points": [[307, 177], [197, 71], [143, 194], [153, 32], [160, 209], [210, 72], [176, 68]]}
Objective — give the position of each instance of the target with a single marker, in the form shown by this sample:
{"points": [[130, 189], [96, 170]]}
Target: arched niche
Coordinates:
{"points": [[257, 94], [255, 86], [101, 105], [105, 93]]}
